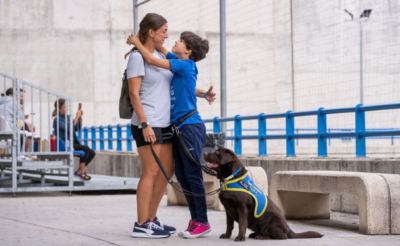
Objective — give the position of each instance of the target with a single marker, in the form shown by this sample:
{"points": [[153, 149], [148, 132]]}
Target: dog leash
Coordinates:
{"points": [[169, 179], [185, 148]]}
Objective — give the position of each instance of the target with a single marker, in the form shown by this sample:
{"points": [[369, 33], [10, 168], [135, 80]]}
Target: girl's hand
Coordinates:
{"points": [[149, 135], [210, 95], [133, 39]]}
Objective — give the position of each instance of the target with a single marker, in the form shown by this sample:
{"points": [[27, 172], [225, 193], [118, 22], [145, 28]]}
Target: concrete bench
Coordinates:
{"points": [[257, 174], [306, 195]]}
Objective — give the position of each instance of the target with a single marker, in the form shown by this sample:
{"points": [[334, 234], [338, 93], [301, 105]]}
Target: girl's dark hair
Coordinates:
{"points": [[196, 44], [150, 22], [61, 102]]}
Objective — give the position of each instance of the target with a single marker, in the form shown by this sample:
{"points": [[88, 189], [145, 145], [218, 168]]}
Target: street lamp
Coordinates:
{"points": [[363, 17]]}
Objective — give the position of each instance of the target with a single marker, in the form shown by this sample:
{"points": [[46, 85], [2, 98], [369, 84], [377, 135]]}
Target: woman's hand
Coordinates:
{"points": [[149, 135], [133, 39], [79, 113]]}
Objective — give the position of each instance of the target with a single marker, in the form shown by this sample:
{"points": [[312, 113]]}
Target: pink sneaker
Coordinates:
{"points": [[191, 223], [197, 230]]}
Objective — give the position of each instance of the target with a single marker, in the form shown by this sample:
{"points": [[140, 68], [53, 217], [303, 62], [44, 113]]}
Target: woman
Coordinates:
{"points": [[65, 127], [149, 90], [189, 49]]}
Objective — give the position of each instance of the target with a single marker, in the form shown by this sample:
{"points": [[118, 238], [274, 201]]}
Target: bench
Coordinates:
{"points": [[306, 195], [174, 198]]}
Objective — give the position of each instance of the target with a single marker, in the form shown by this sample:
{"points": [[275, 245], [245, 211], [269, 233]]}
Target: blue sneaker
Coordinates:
{"points": [[167, 228], [149, 230]]}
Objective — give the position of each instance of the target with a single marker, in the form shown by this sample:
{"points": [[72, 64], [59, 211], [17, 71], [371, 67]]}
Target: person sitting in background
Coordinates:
{"points": [[7, 112], [64, 128]]}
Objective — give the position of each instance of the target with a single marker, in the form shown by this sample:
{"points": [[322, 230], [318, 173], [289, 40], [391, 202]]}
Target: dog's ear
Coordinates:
{"points": [[227, 156]]}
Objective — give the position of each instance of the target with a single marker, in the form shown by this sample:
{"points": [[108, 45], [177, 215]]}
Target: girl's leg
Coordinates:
{"points": [[194, 137], [180, 158], [145, 187], [161, 182]]}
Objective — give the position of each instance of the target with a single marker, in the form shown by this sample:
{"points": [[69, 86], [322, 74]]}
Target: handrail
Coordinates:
{"points": [[360, 133]]}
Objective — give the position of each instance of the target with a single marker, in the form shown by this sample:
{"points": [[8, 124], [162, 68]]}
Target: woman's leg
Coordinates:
{"points": [[82, 159], [145, 189], [91, 155], [161, 182]]}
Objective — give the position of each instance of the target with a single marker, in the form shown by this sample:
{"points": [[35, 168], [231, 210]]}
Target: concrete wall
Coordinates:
{"points": [[128, 165], [281, 55]]}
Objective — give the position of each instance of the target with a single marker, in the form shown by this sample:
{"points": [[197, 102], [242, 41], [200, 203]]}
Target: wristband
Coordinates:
{"points": [[205, 95]]}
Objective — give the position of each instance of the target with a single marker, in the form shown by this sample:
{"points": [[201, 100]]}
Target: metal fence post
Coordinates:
{"points": [[322, 147], [329, 130], [290, 143], [360, 128], [216, 125], [222, 49], [85, 136], [101, 135], [262, 130], [119, 137], [238, 133], [93, 135], [110, 136], [128, 137]]}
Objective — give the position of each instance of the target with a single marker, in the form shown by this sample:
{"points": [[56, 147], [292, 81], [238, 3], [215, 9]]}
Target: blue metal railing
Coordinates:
{"points": [[360, 133]]}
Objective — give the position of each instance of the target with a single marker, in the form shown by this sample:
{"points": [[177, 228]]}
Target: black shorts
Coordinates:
{"points": [[158, 131]]}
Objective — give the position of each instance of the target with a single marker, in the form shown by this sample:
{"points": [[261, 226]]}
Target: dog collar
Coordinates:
{"points": [[233, 175]]}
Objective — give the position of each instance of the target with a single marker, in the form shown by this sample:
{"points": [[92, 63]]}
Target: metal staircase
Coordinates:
{"points": [[26, 169]]}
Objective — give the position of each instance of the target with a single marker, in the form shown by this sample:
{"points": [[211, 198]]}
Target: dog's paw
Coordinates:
{"points": [[240, 239], [261, 237], [224, 236], [253, 235]]}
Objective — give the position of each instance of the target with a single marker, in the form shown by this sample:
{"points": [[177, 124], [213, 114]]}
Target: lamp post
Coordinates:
{"points": [[363, 17]]}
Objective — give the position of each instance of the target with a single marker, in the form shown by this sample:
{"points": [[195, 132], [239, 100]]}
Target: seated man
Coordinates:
{"points": [[7, 112]]}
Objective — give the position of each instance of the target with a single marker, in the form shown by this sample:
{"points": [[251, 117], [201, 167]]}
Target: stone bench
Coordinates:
{"points": [[257, 174], [306, 195]]}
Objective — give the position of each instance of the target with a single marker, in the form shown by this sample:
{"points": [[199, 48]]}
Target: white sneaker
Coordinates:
{"points": [[23, 158]]}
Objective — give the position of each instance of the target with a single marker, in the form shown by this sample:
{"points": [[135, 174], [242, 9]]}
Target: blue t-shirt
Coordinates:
{"points": [[183, 90]]}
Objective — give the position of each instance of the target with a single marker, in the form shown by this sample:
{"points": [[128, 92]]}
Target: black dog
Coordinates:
{"points": [[239, 206]]}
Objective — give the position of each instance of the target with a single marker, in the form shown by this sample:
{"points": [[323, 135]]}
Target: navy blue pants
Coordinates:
{"points": [[188, 173]]}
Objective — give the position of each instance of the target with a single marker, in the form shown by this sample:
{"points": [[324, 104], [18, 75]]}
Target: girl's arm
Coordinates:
{"points": [[208, 95], [150, 59], [162, 50]]}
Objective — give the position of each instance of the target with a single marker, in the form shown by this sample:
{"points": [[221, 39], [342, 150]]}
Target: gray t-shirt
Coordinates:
{"points": [[154, 92]]}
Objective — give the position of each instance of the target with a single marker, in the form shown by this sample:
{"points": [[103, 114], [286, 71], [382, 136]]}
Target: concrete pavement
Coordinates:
{"points": [[57, 219]]}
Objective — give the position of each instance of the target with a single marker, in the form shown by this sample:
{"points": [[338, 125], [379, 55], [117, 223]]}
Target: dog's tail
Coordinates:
{"points": [[306, 234]]}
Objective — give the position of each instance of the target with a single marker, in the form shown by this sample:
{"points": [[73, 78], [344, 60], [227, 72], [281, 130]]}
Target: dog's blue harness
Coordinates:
{"points": [[245, 184]]}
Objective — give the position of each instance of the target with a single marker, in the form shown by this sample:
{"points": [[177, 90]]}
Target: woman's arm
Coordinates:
{"points": [[150, 59], [77, 116], [134, 85], [162, 50]]}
